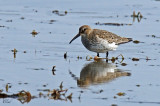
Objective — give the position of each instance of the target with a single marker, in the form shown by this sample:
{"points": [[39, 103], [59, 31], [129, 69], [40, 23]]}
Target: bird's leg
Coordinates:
{"points": [[98, 54], [107, 56]]}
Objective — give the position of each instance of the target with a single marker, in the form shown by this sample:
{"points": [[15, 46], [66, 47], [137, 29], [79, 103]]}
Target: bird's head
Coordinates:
{"points": [[83, 31]]}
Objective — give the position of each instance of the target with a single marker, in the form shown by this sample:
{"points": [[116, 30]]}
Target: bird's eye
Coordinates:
{"points": [[83, 30]]}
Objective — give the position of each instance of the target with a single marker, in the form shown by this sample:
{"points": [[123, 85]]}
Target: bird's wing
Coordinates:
{"points": [[110, 37]]}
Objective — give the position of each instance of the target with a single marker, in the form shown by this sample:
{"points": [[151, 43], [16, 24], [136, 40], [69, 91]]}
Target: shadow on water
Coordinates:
{"points": [[99, 72]]}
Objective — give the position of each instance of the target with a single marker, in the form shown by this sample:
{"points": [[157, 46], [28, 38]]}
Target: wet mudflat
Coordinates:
{"points": [[38, 66]]}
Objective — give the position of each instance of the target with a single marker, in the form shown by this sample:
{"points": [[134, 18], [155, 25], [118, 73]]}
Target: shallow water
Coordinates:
{"points": [[92, 83]]}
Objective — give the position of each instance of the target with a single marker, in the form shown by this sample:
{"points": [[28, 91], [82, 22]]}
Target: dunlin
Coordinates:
{"points": [[99, 41]]}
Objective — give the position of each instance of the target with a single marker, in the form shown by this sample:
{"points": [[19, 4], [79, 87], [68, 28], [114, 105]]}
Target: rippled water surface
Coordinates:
{"points": [[27, 60]]}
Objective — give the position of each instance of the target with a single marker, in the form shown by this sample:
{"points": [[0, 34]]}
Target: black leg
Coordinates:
{"points": [[107, 55], [98, 54]]}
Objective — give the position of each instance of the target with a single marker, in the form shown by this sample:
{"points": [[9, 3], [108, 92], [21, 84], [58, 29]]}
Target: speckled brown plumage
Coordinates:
{"points": [[109, 36], [99, 41]]}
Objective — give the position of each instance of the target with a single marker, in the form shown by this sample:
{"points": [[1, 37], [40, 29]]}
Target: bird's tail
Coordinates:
{"points": [[126, 40], [130, 39]]}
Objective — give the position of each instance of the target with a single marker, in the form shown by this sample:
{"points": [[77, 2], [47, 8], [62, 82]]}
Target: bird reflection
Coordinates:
{"points": [[99, 72]]}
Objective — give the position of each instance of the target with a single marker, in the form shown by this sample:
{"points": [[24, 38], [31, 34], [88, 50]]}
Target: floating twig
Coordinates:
{"points": [[112, 24]]}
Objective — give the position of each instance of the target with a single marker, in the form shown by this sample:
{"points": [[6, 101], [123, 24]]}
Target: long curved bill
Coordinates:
{"points": [[74, 38]]}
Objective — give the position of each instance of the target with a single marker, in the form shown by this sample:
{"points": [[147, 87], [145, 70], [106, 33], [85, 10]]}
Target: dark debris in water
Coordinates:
{"points": [[25, 96], [61, 85], [38, 69], [104, 98], [53, 70], [52, 21], [135, 59], [144, 102], [44, 90], [8, 85], [139, 16], [1, 79], [113, 59], [14, 52], [2, 26], [98, 92], [153, 36], [112, 24], [65, 55], [20, 83], [22, 96], [115, 97], [57, 12], [147, 58], [117, 58], [114, 105], [35, 10], [138, 85], [9, 20], [22, 18], [136, 41], [34, 33], [79, 57], [58, 94], [121, 94], [123, 64]]}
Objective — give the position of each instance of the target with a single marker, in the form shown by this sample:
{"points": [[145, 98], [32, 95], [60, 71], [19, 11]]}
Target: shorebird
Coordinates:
{"points": [[99, 41]]}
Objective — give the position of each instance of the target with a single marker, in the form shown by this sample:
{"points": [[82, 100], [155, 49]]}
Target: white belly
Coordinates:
{"points": [[99, 46]]}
